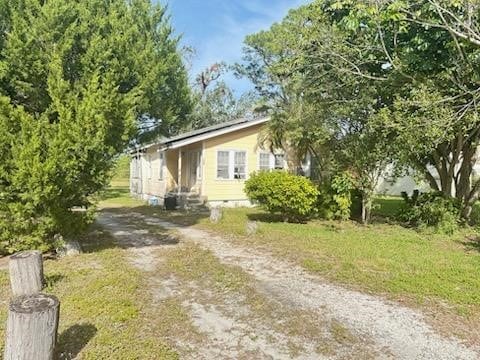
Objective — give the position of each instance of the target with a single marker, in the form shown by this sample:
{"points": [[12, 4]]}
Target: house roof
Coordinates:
{"points": [[208, 132]]}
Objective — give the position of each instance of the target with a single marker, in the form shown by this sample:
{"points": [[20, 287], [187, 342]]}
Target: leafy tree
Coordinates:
{"points": [[384, 80], [75, 79], [321, 101], [215, 102], [431, 48]]}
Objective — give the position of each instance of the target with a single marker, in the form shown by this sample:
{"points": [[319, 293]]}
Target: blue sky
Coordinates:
{"points": [[217, 28]]}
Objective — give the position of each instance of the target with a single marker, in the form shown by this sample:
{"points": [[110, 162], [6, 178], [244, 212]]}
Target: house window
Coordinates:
{"points": [[264, 162], [279, 161], [240, 165], [231, 164], [223, 163], [268, 161], [161, 155]]}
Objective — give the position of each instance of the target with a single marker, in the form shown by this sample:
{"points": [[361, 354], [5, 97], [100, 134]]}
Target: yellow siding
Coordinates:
{"points": [[218, 190]]}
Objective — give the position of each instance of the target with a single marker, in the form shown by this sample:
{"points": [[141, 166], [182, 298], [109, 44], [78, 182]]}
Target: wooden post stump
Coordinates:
{"points": [[26, 273], [215, 214], [251, 227], [32, 327]]}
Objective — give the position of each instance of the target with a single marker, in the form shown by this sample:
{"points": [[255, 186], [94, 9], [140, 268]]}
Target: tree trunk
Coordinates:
{"points": [[454, 165], [26, 273], [366, 208], [32, 328]]}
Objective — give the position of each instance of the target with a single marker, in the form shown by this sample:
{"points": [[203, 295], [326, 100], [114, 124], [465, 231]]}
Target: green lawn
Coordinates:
{"points": [[380, 258], [386, 206]]}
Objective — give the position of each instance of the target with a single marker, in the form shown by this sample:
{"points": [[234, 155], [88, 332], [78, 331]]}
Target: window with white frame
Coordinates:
{"points": [[231, 164], [161, 156], [240, 165], [268, 161], [137, 163], [223, 164], [264, 162]]}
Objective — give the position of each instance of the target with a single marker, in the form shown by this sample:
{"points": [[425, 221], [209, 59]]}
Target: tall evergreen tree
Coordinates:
{"points": [[76, 79]]}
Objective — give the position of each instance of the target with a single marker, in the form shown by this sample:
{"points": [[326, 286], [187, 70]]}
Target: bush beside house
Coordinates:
{"points": [[278, 192]]}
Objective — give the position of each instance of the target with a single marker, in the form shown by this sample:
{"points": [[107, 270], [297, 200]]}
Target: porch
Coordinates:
{"points": [[185, 168]]}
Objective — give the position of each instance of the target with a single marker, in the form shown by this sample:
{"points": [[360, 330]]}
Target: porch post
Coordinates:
{"points": [[179, 180]]}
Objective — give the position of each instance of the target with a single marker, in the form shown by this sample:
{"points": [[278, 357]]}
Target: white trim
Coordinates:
{"points": [[149, 166], [161, 166], [203, 169], [212, 134]]}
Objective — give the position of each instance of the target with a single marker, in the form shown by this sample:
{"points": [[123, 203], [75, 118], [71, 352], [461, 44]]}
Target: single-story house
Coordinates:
{"points": [[208, 165]]}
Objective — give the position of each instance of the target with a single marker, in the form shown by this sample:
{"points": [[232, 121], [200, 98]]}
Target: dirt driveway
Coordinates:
{"points": [[273, 310]]}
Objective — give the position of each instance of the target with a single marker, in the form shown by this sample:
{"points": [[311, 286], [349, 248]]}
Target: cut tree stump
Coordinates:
{"points": [[70, 248], [32, 328], [251, 227], [26, 273], [215, 214]]}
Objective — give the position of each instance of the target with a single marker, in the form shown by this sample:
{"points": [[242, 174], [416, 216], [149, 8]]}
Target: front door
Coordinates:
{"points": [[194, 171]]}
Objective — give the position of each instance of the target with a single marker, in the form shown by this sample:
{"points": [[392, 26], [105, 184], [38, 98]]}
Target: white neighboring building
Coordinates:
{"points": [[404, 183]]}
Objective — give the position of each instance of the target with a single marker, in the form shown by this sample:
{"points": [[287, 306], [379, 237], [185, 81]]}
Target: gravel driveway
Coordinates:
{"points": [[395, 331]]}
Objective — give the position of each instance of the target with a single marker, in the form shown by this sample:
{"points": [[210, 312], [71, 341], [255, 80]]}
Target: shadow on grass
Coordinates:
{"points": [[136, 227], [472, 243], [115, 192], [266, 217], [179, 217], [51, 280], [72, 340]]}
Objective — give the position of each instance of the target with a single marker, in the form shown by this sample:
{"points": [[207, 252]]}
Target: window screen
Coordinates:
{"points": [[239, 166], [222, 164], [264, 162], [162, 163]]}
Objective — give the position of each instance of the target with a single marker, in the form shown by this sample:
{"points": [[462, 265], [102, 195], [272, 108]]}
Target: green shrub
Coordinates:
{"points": [[335, 199], [292, 196], [431, 210]]}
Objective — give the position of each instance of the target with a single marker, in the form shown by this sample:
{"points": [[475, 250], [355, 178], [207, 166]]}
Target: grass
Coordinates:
{"points": [[118, 196], [379, 258], [386, 206], [103, 305]]}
